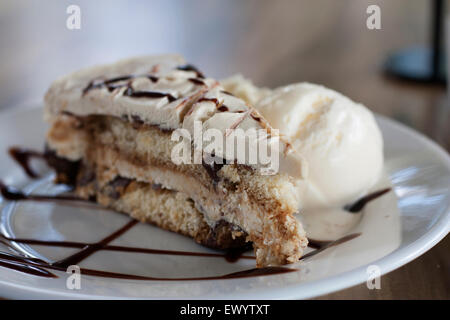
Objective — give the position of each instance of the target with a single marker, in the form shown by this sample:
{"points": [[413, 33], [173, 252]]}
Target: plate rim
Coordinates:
{"points": [[309, 289]]}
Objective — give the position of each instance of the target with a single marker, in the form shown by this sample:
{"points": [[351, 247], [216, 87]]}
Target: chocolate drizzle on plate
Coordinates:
{"points": [[213, 167], [41, 268], [359, 205], [114, 83], [220, 106], [24, 265], [13, 194], [322, 245], [226, 92], [223, 108], [197, 81], [23, 157]]}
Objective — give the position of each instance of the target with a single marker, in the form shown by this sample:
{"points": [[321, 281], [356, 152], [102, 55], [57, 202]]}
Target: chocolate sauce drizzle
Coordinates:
{"points": [[220, 106], [190, 67], [361, 203], [92, 248], [24, 157], [130, 92], [212, 170], [24, 265], [13, 194], [322, 245], [41, 268], [126, 81], [38, 267]]}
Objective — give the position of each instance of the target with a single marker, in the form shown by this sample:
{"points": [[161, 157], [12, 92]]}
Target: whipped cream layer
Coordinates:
{"points": [[165, 92]]}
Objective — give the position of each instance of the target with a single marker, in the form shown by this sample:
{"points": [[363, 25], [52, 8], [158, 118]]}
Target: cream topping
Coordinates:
{"points": [[163, 91]]}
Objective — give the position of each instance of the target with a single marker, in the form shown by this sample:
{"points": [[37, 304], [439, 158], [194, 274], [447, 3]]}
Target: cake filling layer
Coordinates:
{"points": [[261, 206], [168, 209]]}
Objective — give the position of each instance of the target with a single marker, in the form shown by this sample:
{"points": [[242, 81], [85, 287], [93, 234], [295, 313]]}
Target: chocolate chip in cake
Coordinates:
{"points": [[116, 187]]}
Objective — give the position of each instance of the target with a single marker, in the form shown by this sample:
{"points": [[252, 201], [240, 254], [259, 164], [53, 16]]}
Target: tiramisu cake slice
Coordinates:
{"points": [[111, 138]]}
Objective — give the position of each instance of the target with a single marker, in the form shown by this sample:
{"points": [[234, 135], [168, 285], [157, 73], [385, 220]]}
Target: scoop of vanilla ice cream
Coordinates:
{"points": [[339, 139]]}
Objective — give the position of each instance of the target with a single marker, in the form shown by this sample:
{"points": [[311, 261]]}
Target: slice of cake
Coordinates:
{"points": [[112, 137]]}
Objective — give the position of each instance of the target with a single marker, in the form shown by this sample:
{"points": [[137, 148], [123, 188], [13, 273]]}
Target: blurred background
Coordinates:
{"points": [[272, 42]]}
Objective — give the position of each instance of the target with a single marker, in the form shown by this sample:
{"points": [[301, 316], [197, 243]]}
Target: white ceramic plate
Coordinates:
{"points": [[395, 229]]}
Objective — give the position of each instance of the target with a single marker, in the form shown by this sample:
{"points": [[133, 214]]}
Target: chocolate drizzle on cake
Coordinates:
{"points": [[190, 67], [113, 83], [66, 170], [255, 116], [197, 81], [13, 194], [219, 105], [213, 100], [24, 265], [152, 78], [130, 92], [117, 79], [126, 81], [212, 167]]}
